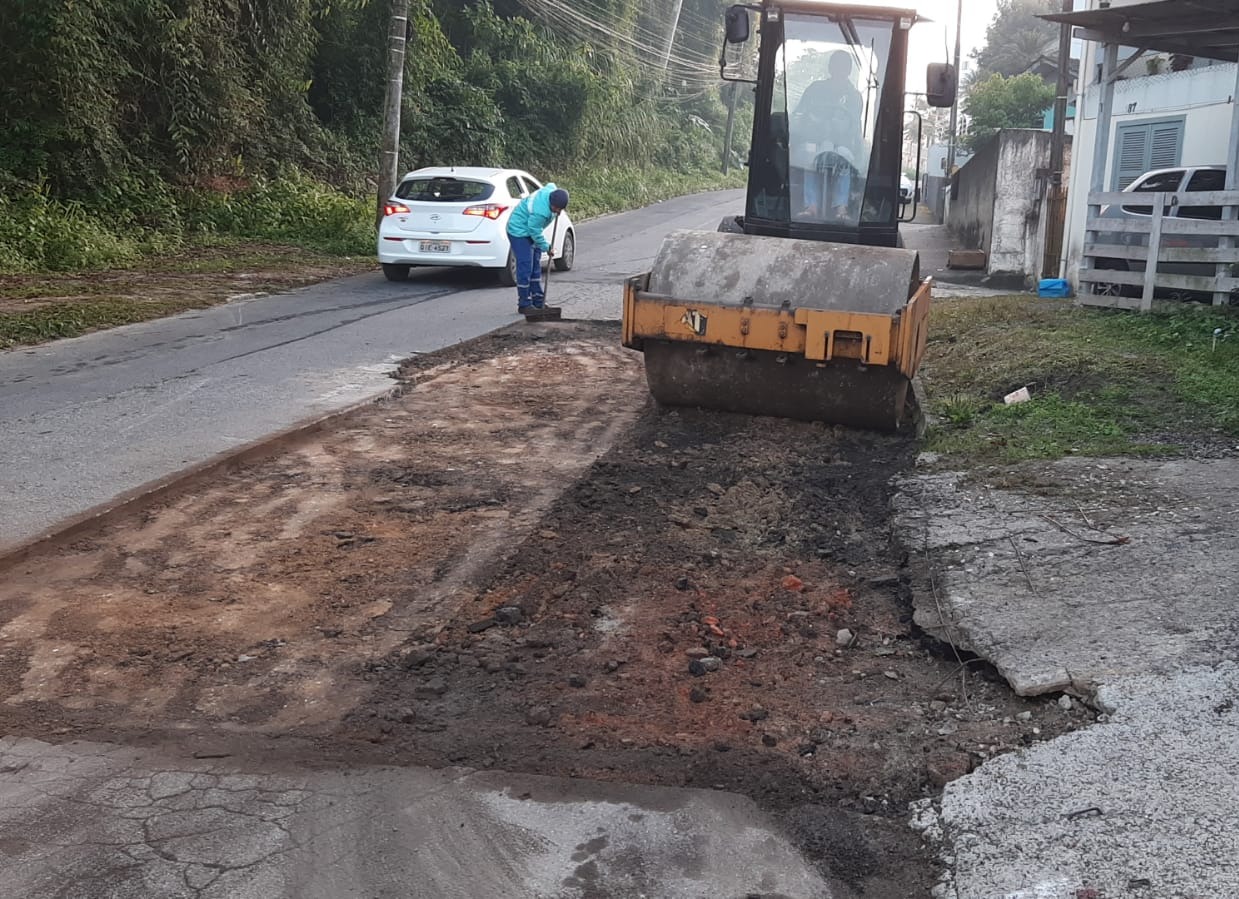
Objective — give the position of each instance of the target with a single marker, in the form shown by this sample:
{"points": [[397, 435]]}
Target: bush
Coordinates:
{"points": [[131, 126], [38, 233], [292, 208]]}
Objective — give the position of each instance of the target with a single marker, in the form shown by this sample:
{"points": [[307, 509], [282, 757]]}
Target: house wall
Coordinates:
{"points": [[936, 179], [1202, 96], [996, 206], [971, 213]]}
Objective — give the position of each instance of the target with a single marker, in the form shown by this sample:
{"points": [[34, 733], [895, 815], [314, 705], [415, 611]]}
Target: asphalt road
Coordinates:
{"points": [[88, 820], [84, 420]]}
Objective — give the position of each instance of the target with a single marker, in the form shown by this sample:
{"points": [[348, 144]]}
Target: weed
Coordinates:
{"points": [[960, 410]]}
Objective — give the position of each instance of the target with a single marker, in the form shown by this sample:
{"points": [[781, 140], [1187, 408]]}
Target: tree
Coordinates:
{"points": [[999, 102], [1016, 37]]}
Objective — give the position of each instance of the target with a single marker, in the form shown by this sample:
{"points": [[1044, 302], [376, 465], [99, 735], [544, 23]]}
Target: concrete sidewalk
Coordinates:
{"points": [[934, 243], [1113, 580], [85, 821]]}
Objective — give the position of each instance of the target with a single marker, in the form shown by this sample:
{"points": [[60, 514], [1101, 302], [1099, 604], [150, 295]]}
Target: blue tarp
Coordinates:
{"points": [[1053, 287]]}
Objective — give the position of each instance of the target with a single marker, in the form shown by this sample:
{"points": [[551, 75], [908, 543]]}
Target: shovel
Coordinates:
{"points": [[546, 313]]}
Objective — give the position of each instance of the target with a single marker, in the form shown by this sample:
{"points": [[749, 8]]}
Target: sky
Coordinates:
{"points": [[935, 41]]}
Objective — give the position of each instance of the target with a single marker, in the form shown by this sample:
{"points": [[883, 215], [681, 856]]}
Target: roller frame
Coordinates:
{"points": [[810, 364]]}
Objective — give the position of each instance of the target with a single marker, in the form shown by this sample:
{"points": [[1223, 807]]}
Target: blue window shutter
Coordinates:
{"points": [[1145, 147], [1133, 154], [1165, 145]]}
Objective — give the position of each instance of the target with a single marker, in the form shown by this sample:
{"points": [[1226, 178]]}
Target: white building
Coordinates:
{"points": [[1158, 121]]}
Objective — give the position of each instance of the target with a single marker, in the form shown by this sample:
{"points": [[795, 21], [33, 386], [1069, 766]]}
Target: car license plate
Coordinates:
{"points": [[436, 246]]}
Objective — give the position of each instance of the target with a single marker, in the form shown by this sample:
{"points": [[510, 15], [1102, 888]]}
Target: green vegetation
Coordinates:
{"points": [[1016, 37], [59, 320], [140, 127], [37, 307], [605, 190], [1103, 383], [999, 102], [229, 234]]}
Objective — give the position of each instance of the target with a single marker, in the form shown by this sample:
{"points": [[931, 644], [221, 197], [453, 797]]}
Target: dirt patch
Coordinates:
{"points": [[248, 604], [520, 564]]}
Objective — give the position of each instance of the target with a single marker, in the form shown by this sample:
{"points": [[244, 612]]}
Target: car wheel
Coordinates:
{"points": [[395, 272], [507, 274], [567, 254], [1109, 288]]}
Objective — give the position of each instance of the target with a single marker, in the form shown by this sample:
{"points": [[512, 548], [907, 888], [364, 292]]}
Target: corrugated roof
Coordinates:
{"points": [[1204, 28]]}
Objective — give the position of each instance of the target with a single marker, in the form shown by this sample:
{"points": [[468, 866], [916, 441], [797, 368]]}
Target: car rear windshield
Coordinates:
{"points": [[445, 190]]}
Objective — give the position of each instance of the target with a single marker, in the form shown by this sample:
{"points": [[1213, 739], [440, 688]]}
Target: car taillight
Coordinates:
{"points": [[491, 211], [395, 209]]}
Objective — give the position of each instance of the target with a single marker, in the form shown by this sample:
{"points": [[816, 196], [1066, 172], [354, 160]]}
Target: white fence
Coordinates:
{"points": [[1196, 253]]}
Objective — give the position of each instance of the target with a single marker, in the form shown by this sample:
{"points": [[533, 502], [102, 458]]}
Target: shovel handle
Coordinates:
{"points": [[550, 262]]}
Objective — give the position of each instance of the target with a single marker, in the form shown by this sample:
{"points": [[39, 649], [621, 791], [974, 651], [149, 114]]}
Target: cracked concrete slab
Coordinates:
{"points": [[1113, 579], [1085, 571], [88, 821], [1142, 805]]}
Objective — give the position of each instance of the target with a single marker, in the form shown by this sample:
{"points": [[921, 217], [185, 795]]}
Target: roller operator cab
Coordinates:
{"points": [[826, 157], [805, 306]]}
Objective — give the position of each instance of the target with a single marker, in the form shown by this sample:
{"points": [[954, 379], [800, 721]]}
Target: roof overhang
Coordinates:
{"points": [[1204, 28]]}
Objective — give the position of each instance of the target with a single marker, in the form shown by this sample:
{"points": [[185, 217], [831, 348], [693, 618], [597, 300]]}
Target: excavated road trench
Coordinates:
{"points": [[520, 563]]}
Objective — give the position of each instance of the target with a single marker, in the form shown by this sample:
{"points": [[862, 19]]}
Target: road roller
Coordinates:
{"points": [[807, 306]]}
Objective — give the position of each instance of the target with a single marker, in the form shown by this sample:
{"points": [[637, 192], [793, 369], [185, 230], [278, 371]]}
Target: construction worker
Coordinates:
{"points": [[826, 128], [530, 217]]}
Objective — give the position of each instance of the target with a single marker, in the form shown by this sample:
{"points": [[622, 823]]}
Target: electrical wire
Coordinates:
{"points": [[582, 25], [579, 25], [691, 75]]}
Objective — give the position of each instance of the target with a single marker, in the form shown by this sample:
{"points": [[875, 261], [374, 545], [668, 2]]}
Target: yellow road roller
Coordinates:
{"points": [[806, 306]]}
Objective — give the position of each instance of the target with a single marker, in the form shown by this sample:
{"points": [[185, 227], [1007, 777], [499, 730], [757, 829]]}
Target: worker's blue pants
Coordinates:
{"points": [[529, 290]]}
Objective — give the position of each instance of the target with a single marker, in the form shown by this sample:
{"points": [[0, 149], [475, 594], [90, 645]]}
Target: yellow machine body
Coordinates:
{"points": [[771, 326]]}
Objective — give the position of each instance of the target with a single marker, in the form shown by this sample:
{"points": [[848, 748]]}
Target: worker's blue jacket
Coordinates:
{"points": [[531, 216]]}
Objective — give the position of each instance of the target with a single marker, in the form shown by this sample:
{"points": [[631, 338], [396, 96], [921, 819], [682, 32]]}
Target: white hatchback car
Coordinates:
{"points": [[458, 216]]}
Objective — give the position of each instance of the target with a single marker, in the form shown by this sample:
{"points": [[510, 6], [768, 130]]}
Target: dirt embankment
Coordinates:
{"points": [[521, 564]]}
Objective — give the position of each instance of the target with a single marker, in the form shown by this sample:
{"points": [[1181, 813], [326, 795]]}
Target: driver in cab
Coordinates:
{"points": [[825, 139]]}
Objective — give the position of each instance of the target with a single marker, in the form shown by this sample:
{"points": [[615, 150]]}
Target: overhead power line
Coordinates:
{"points": [[571, 21]]}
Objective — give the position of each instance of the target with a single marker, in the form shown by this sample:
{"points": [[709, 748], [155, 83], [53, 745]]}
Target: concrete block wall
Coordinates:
{"points": [[997, 201]]}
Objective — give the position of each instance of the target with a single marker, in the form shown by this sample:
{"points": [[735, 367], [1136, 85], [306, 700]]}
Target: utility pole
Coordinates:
{"points": [[950, 153], [675, 23], [1055, 208], [389, 163], [731, 127], [1057, 151]]}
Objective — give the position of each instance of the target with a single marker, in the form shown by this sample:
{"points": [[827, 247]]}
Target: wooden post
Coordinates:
{"points": [[1155, 246]]}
